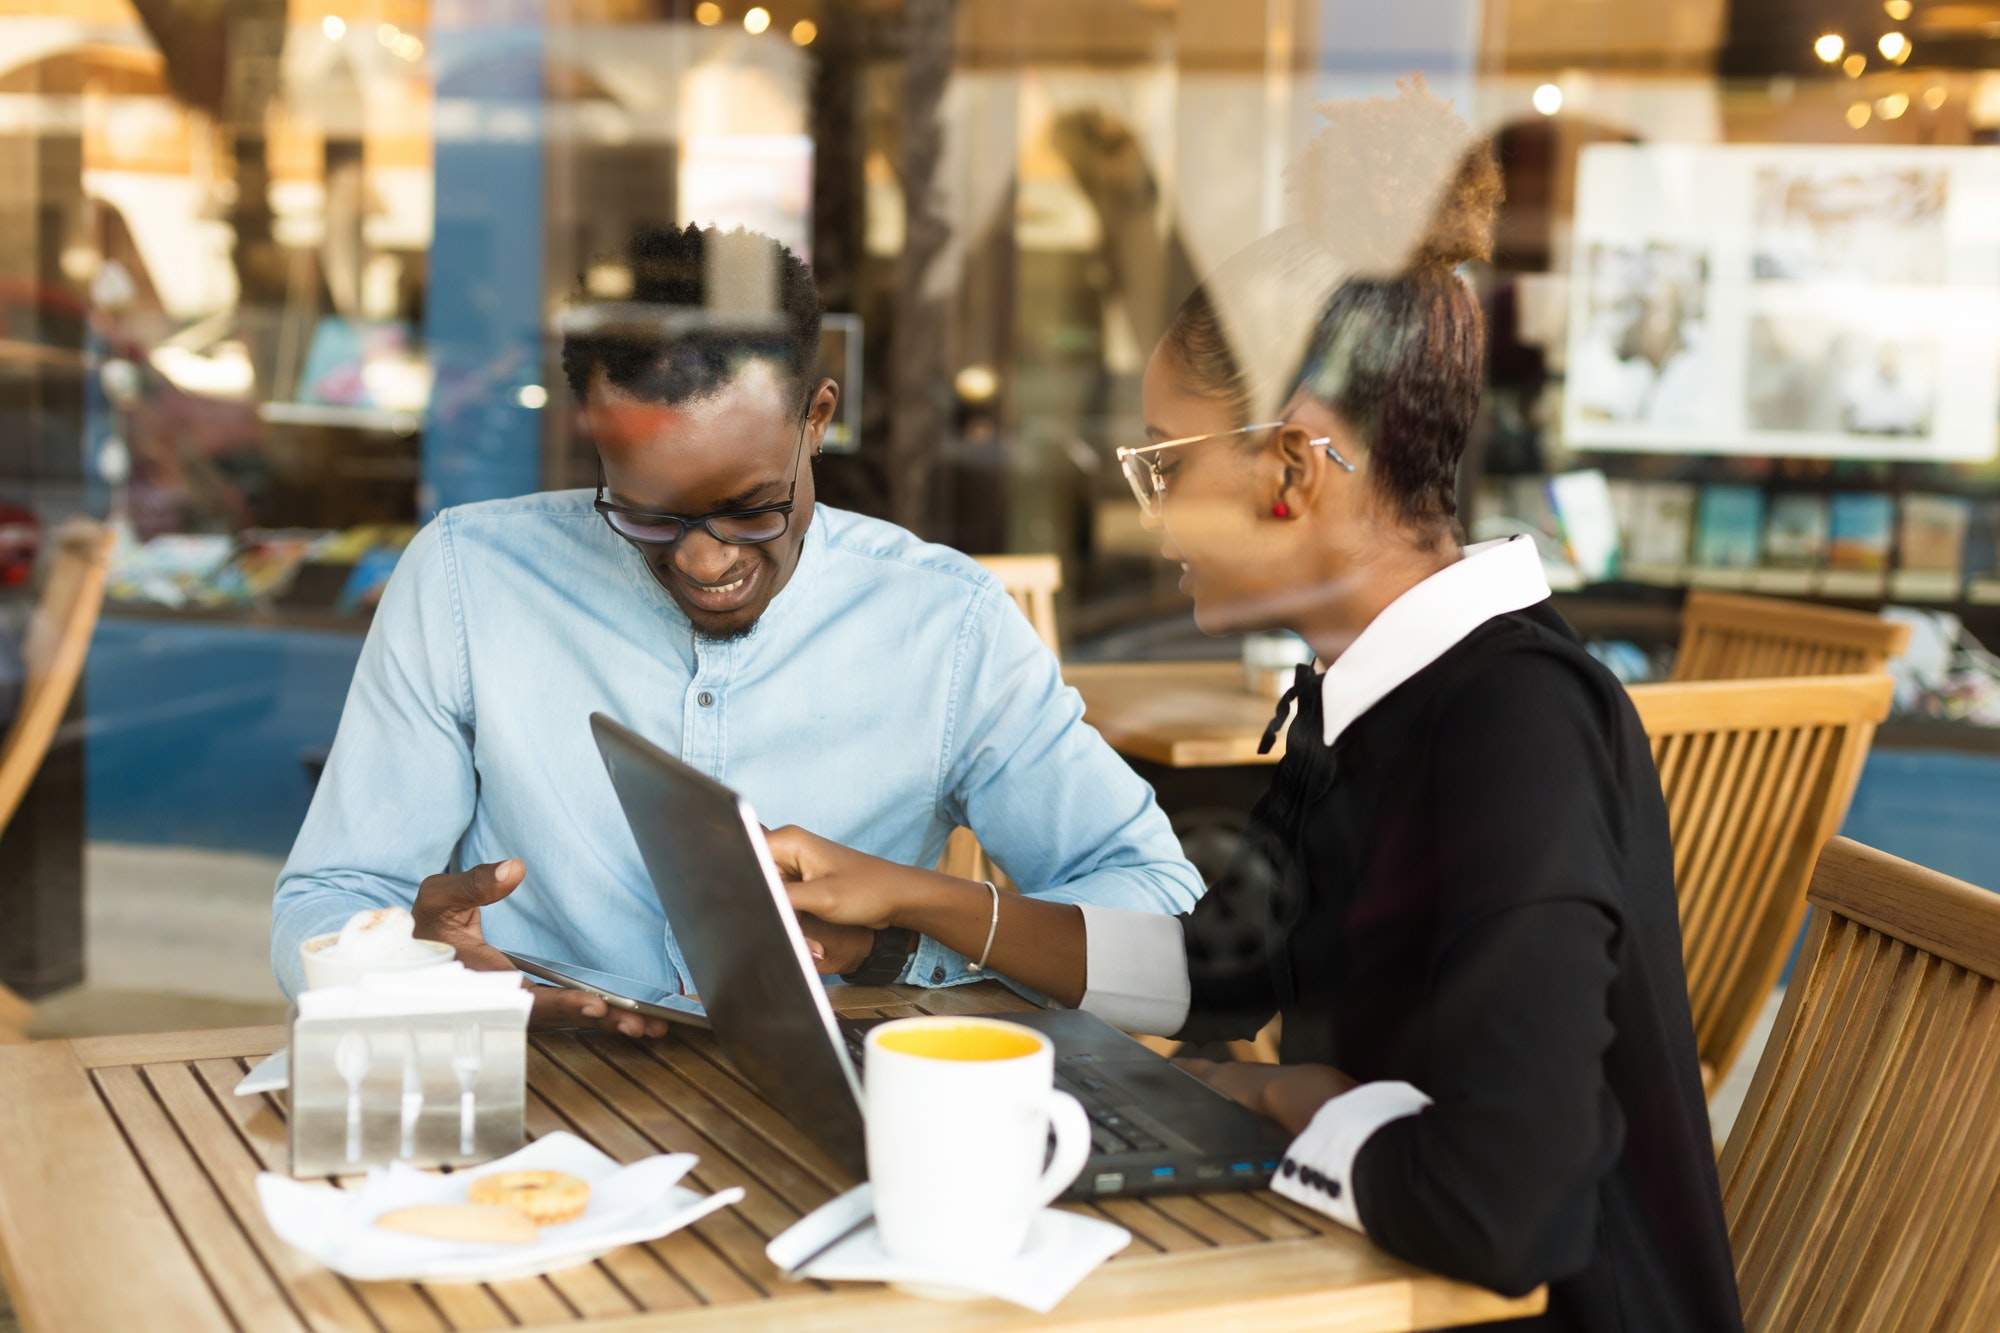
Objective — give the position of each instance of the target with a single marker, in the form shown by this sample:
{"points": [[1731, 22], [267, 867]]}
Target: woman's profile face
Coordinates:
{"points": [[1211, 520]]}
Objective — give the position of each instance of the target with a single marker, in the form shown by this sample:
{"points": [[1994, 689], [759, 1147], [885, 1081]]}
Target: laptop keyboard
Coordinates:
{"points": [[1111, 1132]]}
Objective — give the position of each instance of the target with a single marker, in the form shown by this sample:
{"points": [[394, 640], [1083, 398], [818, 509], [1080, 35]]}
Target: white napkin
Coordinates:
{"points": [[627, 1205], [1063, 1249], [446, 988], [270, 1074]]}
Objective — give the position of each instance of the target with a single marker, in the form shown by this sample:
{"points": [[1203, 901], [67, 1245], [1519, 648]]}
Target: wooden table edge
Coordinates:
{"points": [[1131, 1297], [142, 1048], [59, 1145]]}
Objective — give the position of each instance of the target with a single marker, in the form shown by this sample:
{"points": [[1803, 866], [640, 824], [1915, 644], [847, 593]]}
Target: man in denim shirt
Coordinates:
{"points": [[843, 675]]}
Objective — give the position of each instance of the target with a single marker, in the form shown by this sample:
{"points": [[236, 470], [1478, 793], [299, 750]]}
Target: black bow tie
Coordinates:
{"points": [[1304, 690]]}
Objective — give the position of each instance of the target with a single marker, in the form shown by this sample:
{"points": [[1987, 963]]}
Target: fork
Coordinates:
{"points": [[467, 1052]]}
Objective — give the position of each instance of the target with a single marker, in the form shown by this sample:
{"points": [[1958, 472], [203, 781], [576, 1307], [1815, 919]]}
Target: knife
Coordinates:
{"points": [[822, 1229]]}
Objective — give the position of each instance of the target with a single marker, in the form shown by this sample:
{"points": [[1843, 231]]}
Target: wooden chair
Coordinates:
{"points": [[57, 642], [1758, 775], [1033, 582], [1726, 636], [1862, 1180]]}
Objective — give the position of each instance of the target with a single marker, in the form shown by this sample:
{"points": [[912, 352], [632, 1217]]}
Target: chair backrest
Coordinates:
{"points": [[1033, 582], [1757, 775], [57, 641], [1726, 636], [1862, 1179]]}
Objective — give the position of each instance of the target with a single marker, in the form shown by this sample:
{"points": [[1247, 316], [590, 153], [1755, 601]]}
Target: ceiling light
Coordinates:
{"points": [[1548, 99], [410, 47], [334, 26], [708, 13], [532, 396], [1892, 106], [804, 31], [1896, 9], [1853, 65], [976, 384], [1894, 47], [1857, 115], [1934, 97], [387, 34], [1829, 47], [756, 19]]}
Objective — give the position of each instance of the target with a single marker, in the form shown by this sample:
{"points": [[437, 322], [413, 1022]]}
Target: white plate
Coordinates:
{"points": [[627, 1204]]}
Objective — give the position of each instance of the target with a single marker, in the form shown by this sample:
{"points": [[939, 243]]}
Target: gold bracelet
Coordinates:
{"points": [[992, 928]]}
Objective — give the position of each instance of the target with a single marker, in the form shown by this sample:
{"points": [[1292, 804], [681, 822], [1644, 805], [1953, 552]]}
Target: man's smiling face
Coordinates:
{"points": [[743, 446]]}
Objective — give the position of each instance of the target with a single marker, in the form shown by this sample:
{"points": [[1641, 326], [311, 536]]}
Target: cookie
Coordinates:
{"points": [[478, 1222], [546, 1198]]}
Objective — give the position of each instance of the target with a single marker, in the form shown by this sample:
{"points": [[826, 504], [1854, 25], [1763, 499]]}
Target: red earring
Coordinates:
{"points": [[1281, 510]]}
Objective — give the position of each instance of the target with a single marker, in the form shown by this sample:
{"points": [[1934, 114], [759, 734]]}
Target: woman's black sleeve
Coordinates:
{"points": [[1497, 1181], [1230, 936]]}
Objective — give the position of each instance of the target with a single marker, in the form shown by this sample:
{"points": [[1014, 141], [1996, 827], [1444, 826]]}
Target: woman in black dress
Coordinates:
{"points": [[1458, 894]]}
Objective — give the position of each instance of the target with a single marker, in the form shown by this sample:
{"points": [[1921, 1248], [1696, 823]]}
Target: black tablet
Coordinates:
{"points": [[620, 992]]}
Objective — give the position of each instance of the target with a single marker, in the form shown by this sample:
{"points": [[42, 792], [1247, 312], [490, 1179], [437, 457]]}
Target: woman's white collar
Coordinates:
{"points": [[1493, 579]]}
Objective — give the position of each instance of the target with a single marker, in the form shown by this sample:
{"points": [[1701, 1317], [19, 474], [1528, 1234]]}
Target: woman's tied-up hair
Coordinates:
{"points": [[1360, 304]]}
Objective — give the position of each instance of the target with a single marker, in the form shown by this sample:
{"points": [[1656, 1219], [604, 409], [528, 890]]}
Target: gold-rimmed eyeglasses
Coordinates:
{"points": [[1142, 469]]}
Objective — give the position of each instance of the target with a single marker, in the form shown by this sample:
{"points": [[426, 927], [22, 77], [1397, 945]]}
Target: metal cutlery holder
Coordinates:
{"points": [[425, 1089]]}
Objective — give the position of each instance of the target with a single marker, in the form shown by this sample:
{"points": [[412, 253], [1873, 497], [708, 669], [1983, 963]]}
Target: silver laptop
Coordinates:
{"points": [[1155, 1127]]}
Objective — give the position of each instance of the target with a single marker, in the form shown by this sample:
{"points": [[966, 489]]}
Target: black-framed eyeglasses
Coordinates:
{"points": [[732, 527]]}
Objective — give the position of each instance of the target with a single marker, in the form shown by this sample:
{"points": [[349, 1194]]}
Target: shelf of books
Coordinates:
{"points": [[1858, 546]]}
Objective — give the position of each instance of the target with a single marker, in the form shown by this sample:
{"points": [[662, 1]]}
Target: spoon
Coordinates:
{"points": [[351, 1058]]}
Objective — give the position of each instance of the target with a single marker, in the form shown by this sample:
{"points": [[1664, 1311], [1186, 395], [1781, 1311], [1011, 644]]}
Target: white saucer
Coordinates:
{"points": [[1062, 1249]]}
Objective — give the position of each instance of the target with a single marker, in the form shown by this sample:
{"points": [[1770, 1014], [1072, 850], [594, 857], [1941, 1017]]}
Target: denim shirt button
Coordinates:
{"points": [[937, 975], [704, 699]]}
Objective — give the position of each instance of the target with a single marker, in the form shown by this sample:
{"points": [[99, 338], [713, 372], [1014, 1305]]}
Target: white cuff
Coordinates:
{"points": [[1136, 975], [1318, 1169]]}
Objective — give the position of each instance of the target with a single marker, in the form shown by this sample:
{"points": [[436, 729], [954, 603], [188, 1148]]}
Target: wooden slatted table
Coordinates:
{"points": [[127, 1202], [1180, 714]]}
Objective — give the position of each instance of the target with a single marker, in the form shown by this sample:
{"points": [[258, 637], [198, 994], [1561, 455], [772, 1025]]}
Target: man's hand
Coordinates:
{"points": [[1288, 1094], [447, 909]]}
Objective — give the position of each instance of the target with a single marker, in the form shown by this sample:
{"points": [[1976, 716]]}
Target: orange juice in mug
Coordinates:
{"points": [[959, 1114]]}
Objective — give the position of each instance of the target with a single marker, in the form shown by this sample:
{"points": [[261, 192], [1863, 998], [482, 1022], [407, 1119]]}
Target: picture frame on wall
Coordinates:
{"points": [[1786, 301]]}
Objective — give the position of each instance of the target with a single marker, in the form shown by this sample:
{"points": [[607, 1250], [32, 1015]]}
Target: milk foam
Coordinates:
{"points": [[384, 935]]}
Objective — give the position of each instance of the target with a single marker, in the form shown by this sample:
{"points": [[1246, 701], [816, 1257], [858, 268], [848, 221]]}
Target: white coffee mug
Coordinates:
{"points": [[959, 1114]]}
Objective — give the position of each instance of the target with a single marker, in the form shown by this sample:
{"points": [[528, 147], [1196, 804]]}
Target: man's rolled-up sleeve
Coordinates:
{"points": [[398, 789]]}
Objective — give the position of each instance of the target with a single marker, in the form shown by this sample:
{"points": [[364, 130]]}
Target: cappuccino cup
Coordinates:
{"points": [[959, 1113], [371, 942]]}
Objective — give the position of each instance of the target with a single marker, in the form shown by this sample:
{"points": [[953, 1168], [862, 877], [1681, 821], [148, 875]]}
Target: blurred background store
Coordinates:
{"points": [[278, 280]]}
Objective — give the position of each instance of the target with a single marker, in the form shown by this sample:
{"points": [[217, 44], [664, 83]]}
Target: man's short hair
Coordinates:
{"points": [[685, 309]]}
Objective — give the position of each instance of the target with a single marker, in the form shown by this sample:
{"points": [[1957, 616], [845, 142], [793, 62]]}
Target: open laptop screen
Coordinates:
{"points": [[706, 854]]}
